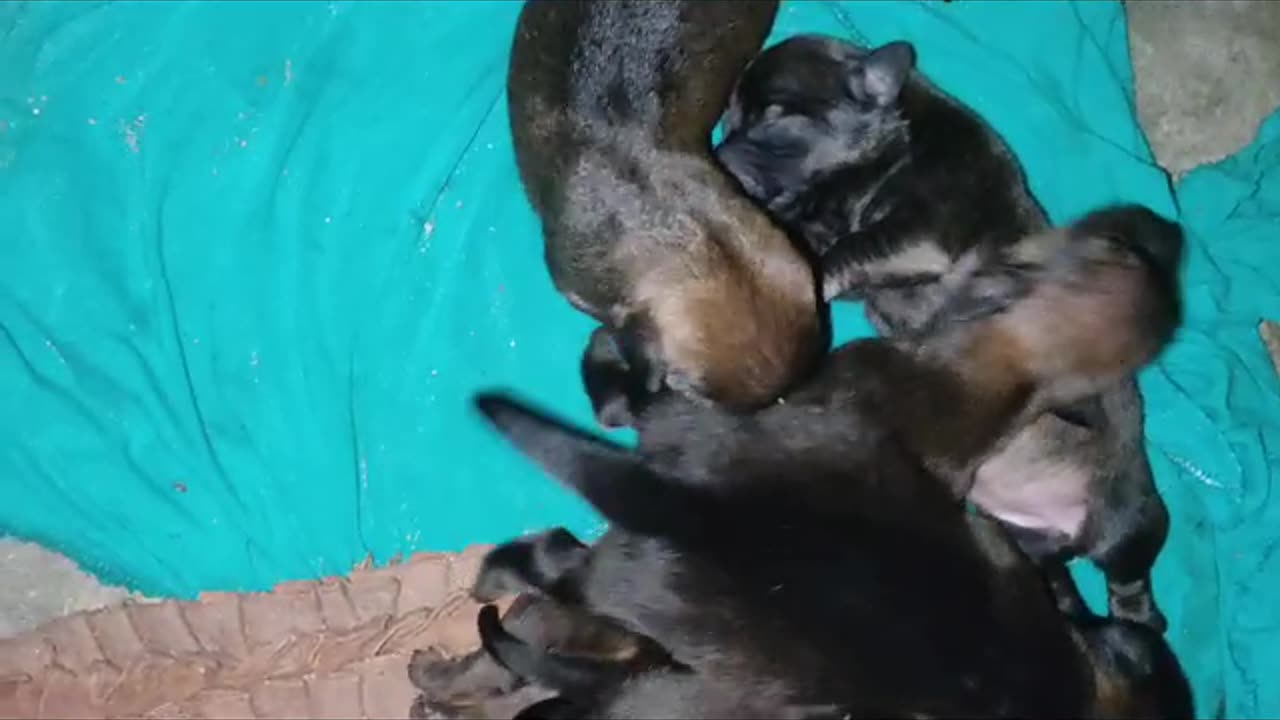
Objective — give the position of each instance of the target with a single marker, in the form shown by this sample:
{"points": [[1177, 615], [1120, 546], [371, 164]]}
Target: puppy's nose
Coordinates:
{"points": [[1141, 231]]}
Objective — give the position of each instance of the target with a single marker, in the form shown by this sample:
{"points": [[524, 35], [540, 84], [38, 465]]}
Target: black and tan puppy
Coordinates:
{"points": [[582, 653], [804, 559], [612, 107], [904, 192]]}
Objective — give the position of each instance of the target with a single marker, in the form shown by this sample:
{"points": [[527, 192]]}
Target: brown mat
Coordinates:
{"points": [[333, 648]]}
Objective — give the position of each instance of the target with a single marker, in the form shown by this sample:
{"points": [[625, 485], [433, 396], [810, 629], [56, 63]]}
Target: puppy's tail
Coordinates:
{"points": [[570, 676], [613, 479]]}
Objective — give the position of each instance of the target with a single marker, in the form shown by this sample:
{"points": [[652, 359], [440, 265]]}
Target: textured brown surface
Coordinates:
{"points": [[333, 648]]}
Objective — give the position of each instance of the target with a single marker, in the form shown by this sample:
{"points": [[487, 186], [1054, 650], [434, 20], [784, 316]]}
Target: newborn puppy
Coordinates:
{"points": [[480, 685], [612, 106], [803, 557], [904, 193], [886, 178]]}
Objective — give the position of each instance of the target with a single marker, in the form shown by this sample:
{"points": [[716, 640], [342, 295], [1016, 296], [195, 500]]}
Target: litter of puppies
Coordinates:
{"points": [[790, 537]]}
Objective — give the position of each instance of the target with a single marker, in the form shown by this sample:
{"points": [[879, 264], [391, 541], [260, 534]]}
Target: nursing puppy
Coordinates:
{"points": [[612, 106], [593, 650], [803, 559], [904, 192]]}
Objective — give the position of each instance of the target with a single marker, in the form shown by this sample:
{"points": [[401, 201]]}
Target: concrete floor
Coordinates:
{"points": [[1208, 73]]}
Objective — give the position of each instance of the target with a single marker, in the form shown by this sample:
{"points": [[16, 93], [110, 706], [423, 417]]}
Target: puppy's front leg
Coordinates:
{"points": [[608, 380], [532, 564]]}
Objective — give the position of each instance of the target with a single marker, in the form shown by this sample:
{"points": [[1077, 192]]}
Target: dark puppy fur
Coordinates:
{"points": [[589, 648], [803, 559], [904, 192], [612, 107], [882, 175]]}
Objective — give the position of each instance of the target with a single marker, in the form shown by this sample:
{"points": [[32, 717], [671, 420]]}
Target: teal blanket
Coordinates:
{"points": [[255, 258]]}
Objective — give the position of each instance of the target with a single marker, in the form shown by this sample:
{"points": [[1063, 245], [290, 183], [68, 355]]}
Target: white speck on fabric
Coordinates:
{"points": [[132, 132], [57, 353]]}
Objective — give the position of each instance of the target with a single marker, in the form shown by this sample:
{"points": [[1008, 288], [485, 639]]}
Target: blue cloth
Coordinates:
{"points": [[257, 256]]}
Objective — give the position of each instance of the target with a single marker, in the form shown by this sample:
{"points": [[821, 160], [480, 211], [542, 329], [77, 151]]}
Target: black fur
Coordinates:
{"points": [[802, 586], [893, 182], [806, 556]]}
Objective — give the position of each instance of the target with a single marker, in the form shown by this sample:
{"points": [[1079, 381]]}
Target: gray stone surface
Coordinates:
{"points": [[38, 585], [1207, 74]]}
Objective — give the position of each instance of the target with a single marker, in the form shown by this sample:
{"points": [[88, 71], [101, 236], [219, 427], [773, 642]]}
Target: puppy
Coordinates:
{"points": [[885, 177], [813, 556], [904, 193], [612, 106], [480, 685]]}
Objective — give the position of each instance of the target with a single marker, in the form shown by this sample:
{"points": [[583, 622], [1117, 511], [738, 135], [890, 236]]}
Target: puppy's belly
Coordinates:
{"points": [[1029, 486]]}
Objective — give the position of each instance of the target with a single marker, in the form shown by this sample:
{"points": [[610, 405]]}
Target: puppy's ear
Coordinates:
{"points": [[613, 479], [884, 71]]}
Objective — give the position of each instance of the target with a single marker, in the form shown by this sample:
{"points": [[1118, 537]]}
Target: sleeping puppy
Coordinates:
{"points": [[904, 192], [612, 106], [1134, 672], [812, 556], [481, 685], [591, 688]]}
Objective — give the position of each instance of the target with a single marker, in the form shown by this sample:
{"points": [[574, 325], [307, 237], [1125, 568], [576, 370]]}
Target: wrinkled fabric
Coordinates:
{"points": [[256, 257]]}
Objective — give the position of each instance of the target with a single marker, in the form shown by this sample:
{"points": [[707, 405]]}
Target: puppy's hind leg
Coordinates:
{"points": [[537, 563], [571, 676], [1127, 564]]}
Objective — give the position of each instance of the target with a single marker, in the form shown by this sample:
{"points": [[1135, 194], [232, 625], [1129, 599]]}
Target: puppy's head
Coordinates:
{"points": [[1071, 310], [1136, 674], [808, 105]]}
